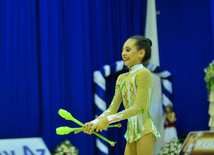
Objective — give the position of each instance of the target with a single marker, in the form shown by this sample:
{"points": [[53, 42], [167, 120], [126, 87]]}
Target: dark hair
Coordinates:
{"points": [[143, 43]]}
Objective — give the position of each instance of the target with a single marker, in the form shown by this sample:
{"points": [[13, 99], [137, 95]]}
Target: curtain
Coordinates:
{"points": [[186, 48], [48, 52]]}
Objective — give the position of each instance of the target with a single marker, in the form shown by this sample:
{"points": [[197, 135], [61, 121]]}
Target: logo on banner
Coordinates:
{"points": [[23, 146]]}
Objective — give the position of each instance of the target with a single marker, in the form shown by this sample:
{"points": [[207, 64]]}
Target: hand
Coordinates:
{"points": [[86, 128], [101, 125]]}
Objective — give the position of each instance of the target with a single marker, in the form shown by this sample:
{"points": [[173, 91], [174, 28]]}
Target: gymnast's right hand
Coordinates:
{"points": [[86, 128]]}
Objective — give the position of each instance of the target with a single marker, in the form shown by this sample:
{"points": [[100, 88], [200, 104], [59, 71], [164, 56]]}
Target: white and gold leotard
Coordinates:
{"points": [[134, 88]]}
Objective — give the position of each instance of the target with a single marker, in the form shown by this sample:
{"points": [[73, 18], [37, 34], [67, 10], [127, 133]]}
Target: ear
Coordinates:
{"points": [[142, 53]]}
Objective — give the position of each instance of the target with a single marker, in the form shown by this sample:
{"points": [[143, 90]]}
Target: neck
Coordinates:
{"points": [[135, 68]]}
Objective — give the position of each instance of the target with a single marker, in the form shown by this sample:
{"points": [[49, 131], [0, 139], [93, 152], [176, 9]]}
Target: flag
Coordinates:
{"points": [[156, 105]]}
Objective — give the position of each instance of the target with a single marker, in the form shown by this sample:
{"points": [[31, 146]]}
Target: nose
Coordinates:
{"points": [[123, 53]]}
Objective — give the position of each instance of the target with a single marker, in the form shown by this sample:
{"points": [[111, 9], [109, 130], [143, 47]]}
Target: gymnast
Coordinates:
{"points": [[135, 89]]}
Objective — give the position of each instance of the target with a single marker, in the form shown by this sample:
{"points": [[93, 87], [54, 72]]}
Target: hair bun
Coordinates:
{"points": [[150, 42]]}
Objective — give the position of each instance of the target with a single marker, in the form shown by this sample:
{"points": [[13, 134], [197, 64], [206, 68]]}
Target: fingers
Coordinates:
{"points": [[97, 128], [87, 128], [101, 125], [93, 127], [76, 132]]}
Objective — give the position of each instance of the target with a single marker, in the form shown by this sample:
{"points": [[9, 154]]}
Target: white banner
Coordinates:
{"points": [[23, 146]]}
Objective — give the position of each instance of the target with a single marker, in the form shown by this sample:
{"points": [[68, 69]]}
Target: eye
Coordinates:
{"points": [[128, 49]]}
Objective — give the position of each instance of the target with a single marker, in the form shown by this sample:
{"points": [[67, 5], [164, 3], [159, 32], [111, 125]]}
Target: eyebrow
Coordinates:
{"points": [[126, 47]]}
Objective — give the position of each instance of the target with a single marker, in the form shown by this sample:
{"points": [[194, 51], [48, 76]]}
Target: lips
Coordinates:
{"points": [[125, 59]]}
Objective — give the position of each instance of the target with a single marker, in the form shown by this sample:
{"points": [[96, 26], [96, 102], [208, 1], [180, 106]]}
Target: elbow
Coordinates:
{"points": [[138, 110]]}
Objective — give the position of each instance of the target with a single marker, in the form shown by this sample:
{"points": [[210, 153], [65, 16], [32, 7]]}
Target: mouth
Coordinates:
{"points": [[125, 59]]}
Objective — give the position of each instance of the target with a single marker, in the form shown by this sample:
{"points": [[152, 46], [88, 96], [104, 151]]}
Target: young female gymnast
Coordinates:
{"points": [[134, 88]]}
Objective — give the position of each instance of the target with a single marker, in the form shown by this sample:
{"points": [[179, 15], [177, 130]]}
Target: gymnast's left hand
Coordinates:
{"points": [[101, 125]]}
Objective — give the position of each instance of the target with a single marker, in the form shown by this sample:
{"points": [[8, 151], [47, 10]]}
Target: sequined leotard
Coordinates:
{"points": [[134, 88]]}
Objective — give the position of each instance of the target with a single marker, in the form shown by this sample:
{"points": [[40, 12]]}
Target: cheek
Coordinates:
{"points": [[133, 53]]}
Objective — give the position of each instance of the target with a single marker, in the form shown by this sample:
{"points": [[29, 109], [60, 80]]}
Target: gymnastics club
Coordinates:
{"points": [[64, 130], [66, 115]]}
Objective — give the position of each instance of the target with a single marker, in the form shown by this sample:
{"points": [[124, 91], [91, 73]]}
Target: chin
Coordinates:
{"points": [[126, 64]]}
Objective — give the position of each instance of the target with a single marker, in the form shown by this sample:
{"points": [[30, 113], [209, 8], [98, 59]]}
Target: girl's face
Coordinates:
{"points": [[131, 55], [168, 108]]}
